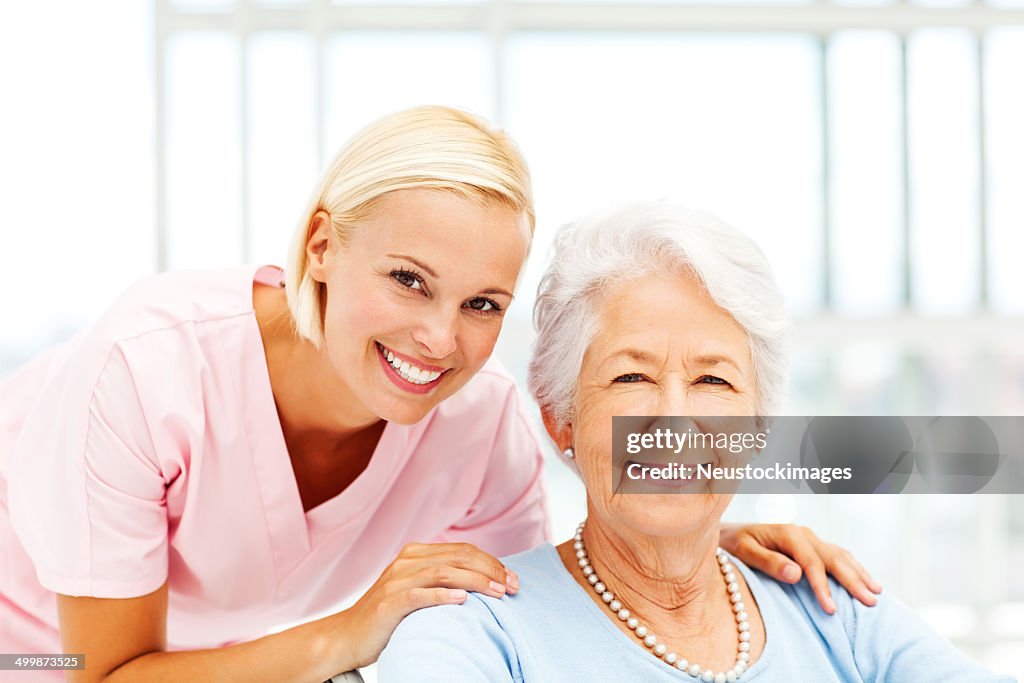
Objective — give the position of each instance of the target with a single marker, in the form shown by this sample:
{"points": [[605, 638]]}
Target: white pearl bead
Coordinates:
{"points": [[651, 641]]}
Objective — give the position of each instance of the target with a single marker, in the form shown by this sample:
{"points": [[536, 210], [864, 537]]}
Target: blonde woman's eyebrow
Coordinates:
{"points": [[410, 259], [431, 273], [499, 291]]}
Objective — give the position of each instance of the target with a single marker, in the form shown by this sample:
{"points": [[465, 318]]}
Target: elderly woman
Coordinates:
{"points": [[653, 310]]}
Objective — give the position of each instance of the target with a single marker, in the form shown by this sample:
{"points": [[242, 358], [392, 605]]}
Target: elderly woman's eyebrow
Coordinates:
{"points": [[715, 359], [633, 354], [703, 360]]}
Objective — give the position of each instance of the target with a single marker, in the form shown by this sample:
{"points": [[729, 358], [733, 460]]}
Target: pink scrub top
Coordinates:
{"points": [[148, 449]]}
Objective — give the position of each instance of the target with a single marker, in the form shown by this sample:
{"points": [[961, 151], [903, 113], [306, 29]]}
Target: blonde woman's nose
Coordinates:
{"points": [[437, 335]]}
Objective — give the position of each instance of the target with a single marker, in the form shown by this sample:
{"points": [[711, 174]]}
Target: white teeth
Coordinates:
{"points": [[410, 372]]}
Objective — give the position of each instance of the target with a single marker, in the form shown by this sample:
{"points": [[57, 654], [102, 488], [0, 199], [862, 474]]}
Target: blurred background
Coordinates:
{"points": [[874, 149]]}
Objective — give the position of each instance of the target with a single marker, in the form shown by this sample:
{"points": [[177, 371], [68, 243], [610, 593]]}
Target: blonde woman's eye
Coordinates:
{"points": [[407, 279], [482, 305], [629, 378]]}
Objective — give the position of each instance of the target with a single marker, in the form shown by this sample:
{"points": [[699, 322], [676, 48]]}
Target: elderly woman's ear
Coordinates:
{"points": [[560, 434]]}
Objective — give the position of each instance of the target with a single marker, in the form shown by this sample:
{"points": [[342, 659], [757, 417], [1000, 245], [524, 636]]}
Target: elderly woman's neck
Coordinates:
{"points": [[670, 581]]}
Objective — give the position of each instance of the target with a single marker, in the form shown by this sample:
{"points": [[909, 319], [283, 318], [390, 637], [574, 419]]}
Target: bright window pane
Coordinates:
{"points": [[942, 96], [372, 74], [204, 5], [203, 151], [1005, 112], [866, 176], [282, 144], [727, 124], [941, 3], [76, 166]]}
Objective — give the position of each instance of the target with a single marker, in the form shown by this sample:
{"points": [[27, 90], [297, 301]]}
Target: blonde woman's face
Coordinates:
{"points": [[416, 297]]}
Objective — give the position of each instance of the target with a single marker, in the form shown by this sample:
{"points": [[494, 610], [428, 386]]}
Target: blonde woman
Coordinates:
{"points": [[226, 451]]}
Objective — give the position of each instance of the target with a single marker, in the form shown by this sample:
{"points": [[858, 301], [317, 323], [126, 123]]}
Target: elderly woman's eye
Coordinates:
{"points": [[711, 379], [631, 377]]}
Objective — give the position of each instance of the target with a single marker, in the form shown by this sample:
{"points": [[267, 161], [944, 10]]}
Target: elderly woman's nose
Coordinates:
{"points": [[437, 333], [675, 398]]}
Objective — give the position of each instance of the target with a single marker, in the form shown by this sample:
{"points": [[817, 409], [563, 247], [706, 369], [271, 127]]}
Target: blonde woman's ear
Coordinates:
{"points": [[318, 244]]}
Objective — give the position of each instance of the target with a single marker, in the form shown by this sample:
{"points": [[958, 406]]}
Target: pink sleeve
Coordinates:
{"points": [[510, 513], [86, 493]]}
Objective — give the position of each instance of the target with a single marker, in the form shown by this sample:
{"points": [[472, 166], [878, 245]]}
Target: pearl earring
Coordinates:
{"points": [[569, 453]]}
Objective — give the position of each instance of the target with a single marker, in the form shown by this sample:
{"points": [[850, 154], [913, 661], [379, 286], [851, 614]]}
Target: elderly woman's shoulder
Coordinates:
{"points": [[885, 642]]}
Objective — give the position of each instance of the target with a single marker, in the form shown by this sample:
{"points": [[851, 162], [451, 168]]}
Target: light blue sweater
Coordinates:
{"points": [[551, 631]]}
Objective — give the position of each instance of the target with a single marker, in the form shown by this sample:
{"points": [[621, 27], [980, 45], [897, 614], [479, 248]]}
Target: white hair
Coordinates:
{"points": [[636, 239]]}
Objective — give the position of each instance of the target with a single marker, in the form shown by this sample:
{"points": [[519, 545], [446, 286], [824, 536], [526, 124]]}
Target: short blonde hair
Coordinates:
{"points": [[424, 147]]}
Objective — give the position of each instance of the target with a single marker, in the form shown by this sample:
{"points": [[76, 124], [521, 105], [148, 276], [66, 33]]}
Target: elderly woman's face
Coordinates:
{"points": [[663, 348]]}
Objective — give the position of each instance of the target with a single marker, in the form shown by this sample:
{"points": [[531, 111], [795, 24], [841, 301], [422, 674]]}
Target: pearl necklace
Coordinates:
{"points": [[651, 641]]}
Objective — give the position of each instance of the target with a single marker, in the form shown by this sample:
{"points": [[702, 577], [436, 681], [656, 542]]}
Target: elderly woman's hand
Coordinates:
{"points": [[781, 550]]}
